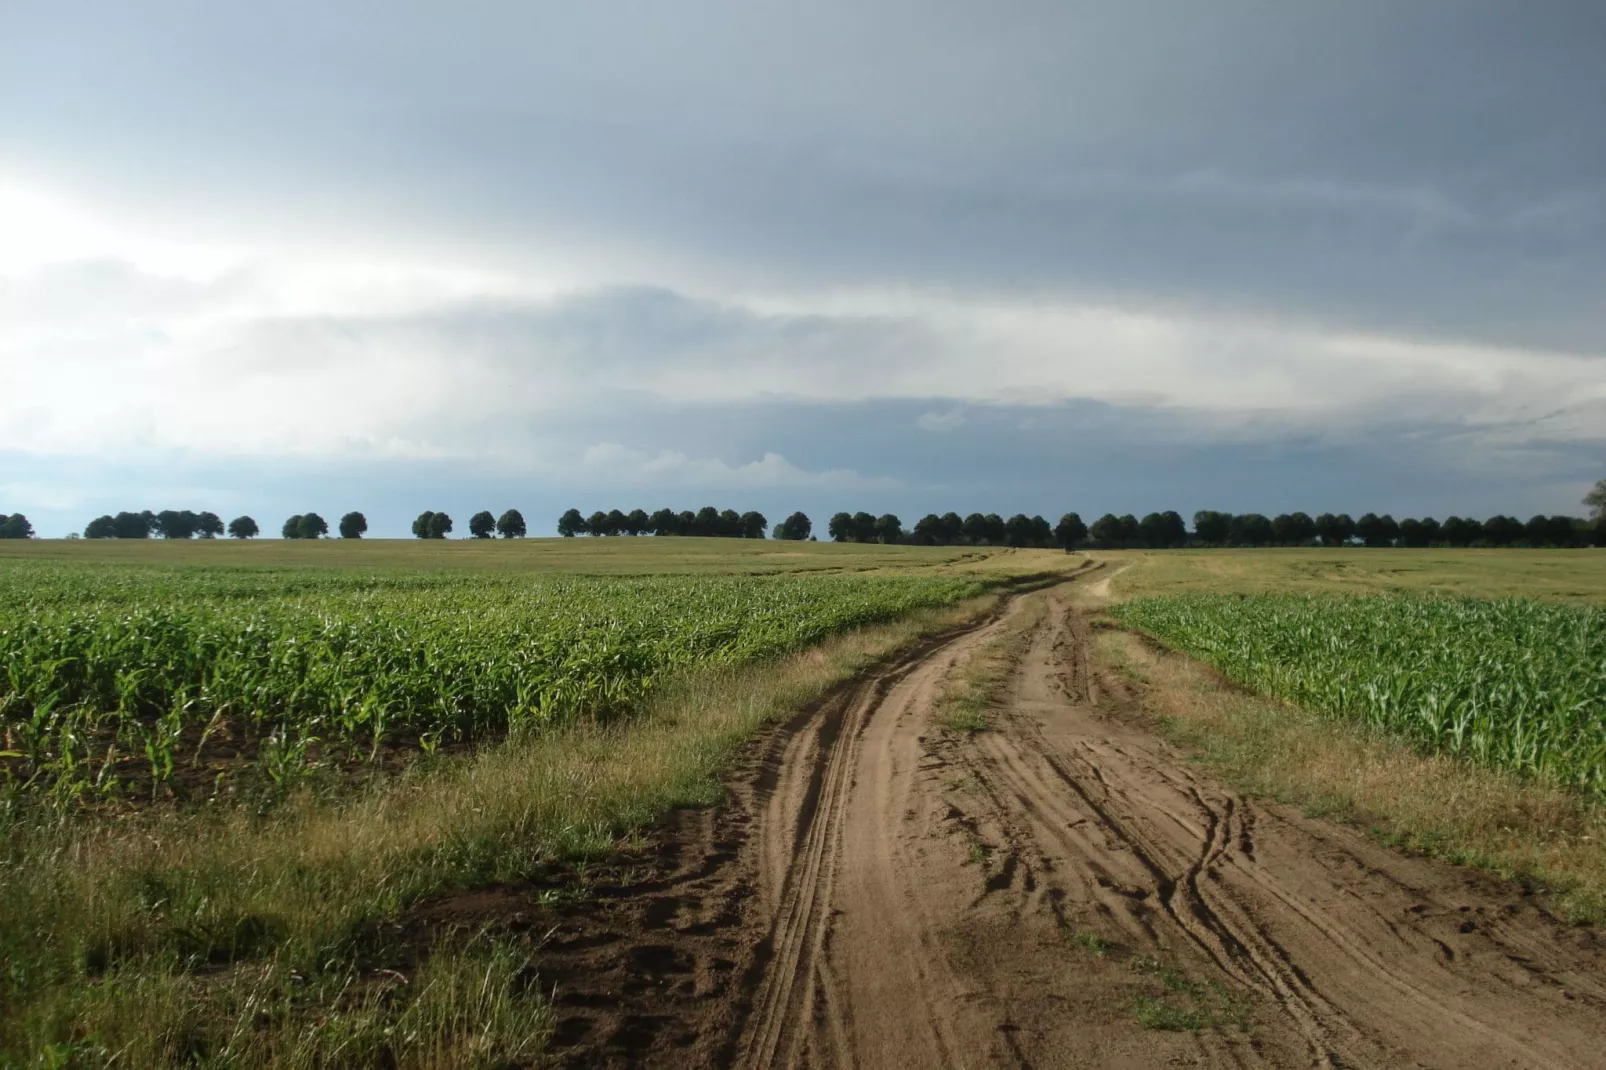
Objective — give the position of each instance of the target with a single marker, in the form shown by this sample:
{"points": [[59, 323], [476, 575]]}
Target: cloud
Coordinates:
{"points": [[940, 422], [614, 465]]}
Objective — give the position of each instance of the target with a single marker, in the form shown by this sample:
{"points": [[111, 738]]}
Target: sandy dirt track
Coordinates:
{"points": [[882, 892]]}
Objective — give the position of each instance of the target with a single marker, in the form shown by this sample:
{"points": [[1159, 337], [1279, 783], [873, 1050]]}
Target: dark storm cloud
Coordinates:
{"points": [[1433, 168]]}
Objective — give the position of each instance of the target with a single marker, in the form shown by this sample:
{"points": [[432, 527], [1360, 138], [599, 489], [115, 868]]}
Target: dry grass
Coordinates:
{"points": [[975, 686], [234, 938], [1543, 836], [1559, 575]]}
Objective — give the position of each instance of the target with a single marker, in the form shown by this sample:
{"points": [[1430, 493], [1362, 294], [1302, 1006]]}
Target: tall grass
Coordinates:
{"points": [[1511, 684]]}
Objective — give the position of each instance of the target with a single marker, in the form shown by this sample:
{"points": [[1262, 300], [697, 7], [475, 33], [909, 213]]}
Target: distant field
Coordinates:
{"points": [[618, 556], [1553, 575]]}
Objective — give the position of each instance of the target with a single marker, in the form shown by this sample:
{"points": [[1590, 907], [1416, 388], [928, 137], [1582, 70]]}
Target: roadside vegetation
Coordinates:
{"points": [[1469, 728], [277, 924]]}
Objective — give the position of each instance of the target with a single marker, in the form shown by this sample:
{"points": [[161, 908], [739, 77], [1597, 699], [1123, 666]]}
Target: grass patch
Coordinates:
{"points": [[1184, 1004], [976, 686], [1540, 834]]}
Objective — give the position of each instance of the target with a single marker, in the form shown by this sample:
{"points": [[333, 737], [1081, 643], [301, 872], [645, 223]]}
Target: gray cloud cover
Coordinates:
{"points": [[888, 251]]}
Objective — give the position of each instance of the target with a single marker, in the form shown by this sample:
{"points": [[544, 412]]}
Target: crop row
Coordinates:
{"points": [[104, 664], [1514, 684]]}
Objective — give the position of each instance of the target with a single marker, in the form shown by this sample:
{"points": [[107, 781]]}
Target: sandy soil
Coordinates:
{"points": [[882, 892]]}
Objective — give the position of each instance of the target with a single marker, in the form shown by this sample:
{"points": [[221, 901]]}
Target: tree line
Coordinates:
{"points": [[1156, 531]]}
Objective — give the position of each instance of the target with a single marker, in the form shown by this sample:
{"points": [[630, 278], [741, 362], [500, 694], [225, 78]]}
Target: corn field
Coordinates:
{"points": [[112, 672], [1514, 684]]}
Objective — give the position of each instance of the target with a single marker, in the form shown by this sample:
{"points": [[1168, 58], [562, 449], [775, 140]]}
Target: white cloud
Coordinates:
{"points": [[614, 464], [940, 422]]}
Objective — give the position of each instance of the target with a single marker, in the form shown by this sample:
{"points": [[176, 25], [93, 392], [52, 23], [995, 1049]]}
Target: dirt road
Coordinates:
{"points": [[1058, 890]]}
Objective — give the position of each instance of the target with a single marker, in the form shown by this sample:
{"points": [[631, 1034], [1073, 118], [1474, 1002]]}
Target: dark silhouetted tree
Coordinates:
{"points": [[863, 527], [291, 528], [243, 527], [1070, 531], [571, 523], [1251, 529], [1293, 529], [664, 522], [840, 527], [1042, 534], [730, 524], [1376, 531], [597, 523], [927, 530], [1459, 531], [1335, 530], [795, 528], [1502, 530], [753, 524], [1596, 500], [617, 522], [482, 525], [353, 526], [440, 525], [953, 529], [421, 524], [975, 529], [15, 526], [102, 527], [1106, 531], [134, 525], [888, 529], [313, 526], [707, 521], [1212, 528], [510, 525], [637, 522], [208, 525], [1018, 530], [686, 522]]}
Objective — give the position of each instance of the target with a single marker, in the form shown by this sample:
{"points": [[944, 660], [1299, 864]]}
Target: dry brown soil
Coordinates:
{"points": [[1060, 890]]}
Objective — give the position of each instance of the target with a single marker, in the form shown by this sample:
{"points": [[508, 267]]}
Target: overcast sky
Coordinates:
{"points": [[915, 256]]}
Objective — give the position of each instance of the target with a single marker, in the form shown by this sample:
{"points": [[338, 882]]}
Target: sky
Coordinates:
{"points": [[884, 255]]}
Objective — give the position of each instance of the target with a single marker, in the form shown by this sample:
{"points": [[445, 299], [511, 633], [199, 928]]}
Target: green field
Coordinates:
{"points": [[1514, 684], [120, 674]]}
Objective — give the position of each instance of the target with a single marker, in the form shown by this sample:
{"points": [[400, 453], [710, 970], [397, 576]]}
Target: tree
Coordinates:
{"points": [[291, 528], [1212, 528], [841, 527], [102, 527], [974, 530], [1377, 530], [706, 522], [1596, 500], [1502, 530], [1042, 534], [1412, 533], [208, 525], [795, 528], [888, 529], [1162, 531], [133, 525], [664, 522], [685, 522], [353, 526], [313, 526], [617, 522], [15, 526], [1293, 529], [864, 529], [510, 525], [440, 525], [927, 531], [1069, 531], [243, 527], [1461, 532], [571, 523], [753, 525], [482, 525], [1335, 530], [421, 524], [1250, 529], [1018, 530], [597, 523], [1106, 531], [638, 523]]}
